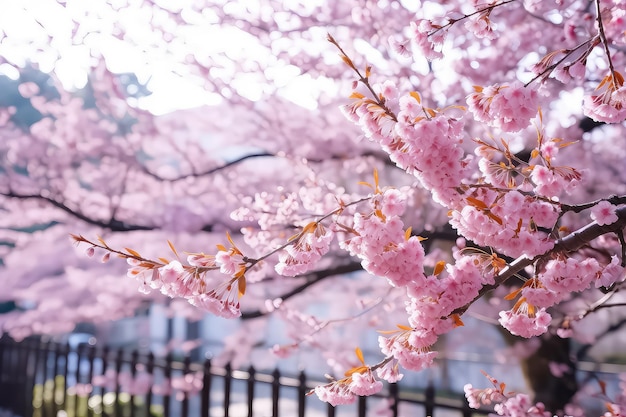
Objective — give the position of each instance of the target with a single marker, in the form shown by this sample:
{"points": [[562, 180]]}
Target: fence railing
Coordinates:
{"points": [[40, 379]]}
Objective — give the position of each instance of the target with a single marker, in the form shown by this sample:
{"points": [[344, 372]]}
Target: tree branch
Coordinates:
{"points": [[378, 155], [311, 279], [208, 171], [567, 244], [581, 353], [112, 224]]}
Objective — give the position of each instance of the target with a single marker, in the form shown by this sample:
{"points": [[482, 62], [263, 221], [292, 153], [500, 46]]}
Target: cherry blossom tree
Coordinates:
{"points": [[408, 163]]}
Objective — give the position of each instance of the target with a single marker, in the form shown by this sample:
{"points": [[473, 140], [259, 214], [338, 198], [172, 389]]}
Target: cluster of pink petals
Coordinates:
{"points": [[365, 383], [424, 143], [300, 257], [407, 355], [510, 224], [336, 393], [566, 73], [382, 244], [525, 324], [390, 372], [432, 152], [508, 107], [549, 183], [477, 397], [432, 302], [229, 261], [604, 213], [223, 303], [607, 106], [174, 280], [521, 406], [480, 26], [428, 38], [613, 273], [570, 275]]}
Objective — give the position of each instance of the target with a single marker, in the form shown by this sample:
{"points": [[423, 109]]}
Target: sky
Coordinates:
{"points": [[45, 32]]}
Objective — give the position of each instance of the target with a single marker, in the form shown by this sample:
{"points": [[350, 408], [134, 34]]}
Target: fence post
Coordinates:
{"points": [[91, 357], [167, 373], [394, 396], [3, 349], [105, 364], [66, 370], [275, 392], [30, 374], [19, 378], [206, 389], [251, 381], [467, 411], [302, 388], [362, 406], [134, 360], [76, 375], [228, 380], [429, 403], [44, 351], [55, 372], [119, 358], [331, 410], [185, 402], [150, 371]]}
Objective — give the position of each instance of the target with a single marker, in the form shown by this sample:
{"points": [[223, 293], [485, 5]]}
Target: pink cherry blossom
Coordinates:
{"points": [[604, 213], [508, 107], [525, 324]]}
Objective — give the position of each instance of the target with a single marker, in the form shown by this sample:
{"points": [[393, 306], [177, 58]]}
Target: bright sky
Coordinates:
{"points": [[41, 31]]}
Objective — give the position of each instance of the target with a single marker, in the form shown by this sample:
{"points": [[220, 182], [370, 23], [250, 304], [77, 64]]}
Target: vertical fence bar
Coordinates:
{"points": [[66, 370], [429, 403], [467, 411], [275, 392], [206, 389], [150, 371], [185, 402], [134, 360], [250, 389], [37, 372], [302, 388], [228, 380], [362, 406], [29, 357], [91, 357], [3, 353], [167, 373], [55, 379], [77, 375], [105, 365], [44, 391], [19, 381], [394, 396], [119, 359]]}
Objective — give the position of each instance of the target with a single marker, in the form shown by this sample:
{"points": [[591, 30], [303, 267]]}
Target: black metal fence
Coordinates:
{"points": [[42, 378]]}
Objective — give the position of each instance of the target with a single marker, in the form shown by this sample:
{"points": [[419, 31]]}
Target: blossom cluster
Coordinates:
{"points": [[509, 107], [382, 244], [509, 222], [607, 103], [507, 404], [422, 141], [345, 391], [191, 282], [309, 247]]}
